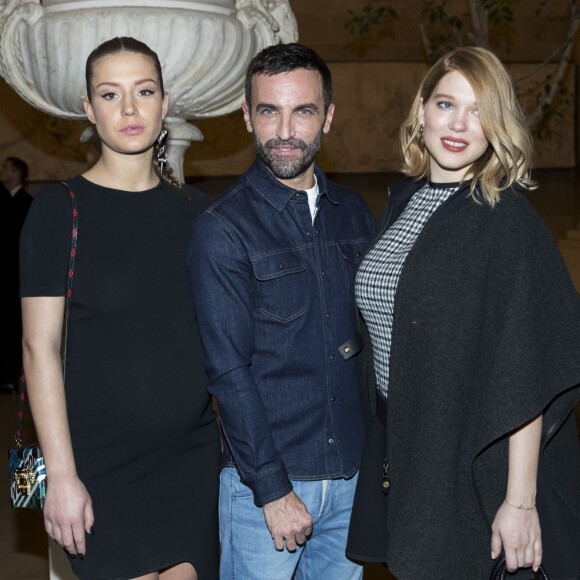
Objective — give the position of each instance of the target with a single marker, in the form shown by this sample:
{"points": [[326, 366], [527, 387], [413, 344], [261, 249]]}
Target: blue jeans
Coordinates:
{"points": [[248, 551]]}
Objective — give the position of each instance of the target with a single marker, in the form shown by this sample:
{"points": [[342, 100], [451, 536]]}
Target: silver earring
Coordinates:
{"points": [[161, 154]]}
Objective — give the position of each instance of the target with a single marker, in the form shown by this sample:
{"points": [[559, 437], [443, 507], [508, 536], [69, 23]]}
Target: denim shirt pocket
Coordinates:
{"points": [[351, 255], [281, 286]]}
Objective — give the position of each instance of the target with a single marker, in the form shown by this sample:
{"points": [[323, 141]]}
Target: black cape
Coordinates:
{"points": [[486, 336]]}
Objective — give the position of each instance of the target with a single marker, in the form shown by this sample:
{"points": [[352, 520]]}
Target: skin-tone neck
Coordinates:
{"points": [[126, 172], [302, 182]]}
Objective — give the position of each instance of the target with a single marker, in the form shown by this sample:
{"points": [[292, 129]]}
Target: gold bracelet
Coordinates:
{"points": [[523, 507]]}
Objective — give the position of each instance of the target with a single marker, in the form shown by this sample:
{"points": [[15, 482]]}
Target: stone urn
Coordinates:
{"points": [[204, 48]]}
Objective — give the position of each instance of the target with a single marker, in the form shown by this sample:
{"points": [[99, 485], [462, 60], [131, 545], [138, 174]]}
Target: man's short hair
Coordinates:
{"points": [[21, 166], [284, 58]]}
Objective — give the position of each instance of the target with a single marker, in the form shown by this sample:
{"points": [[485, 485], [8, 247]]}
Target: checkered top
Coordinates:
{"points": [[378, 275]]}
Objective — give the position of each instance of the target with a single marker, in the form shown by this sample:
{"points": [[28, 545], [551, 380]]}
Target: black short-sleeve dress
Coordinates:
{"points": [[144, 434]]}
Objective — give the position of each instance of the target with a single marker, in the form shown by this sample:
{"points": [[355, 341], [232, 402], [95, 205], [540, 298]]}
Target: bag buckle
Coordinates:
{"points": [[24, 480]]}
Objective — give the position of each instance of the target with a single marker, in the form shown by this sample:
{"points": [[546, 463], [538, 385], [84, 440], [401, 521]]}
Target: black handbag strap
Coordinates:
{"points": [[70, 275], [499, 570]]}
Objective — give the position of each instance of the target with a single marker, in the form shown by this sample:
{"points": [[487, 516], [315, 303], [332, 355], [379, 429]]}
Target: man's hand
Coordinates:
{"points": [[288, 521]]}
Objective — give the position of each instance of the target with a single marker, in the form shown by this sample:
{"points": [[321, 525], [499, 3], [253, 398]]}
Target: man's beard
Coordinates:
{"points": [[288, 167]]}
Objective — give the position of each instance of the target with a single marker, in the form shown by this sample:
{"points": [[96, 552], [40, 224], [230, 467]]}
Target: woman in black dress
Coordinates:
{"points": [[473, 349], [131, 445]]}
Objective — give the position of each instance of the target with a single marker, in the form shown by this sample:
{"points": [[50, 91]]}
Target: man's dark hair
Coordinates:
{"points": [[283, 58], [21, 166]]}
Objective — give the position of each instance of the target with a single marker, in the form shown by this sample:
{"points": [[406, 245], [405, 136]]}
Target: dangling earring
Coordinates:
{"points": [[161, 155]]}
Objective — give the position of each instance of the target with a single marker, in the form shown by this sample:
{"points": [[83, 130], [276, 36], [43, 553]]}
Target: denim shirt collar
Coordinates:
{"points": [[261, 180]]}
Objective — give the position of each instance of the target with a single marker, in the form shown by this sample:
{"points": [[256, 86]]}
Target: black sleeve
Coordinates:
{"points": [[45, 243]]}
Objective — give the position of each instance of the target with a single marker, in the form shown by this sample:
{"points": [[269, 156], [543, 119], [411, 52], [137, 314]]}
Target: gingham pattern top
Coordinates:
{"points": [[378, 275]]}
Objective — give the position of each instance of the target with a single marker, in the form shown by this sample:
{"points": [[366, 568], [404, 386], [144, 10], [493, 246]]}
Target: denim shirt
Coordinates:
{"points": [[275, 300]]}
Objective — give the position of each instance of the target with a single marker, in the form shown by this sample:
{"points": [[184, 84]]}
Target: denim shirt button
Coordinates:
{"points": [[331, 441], [333, 399], [327, 316]]}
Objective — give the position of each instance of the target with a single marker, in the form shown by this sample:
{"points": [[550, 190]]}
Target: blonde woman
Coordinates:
{"points": [[472, 349]]}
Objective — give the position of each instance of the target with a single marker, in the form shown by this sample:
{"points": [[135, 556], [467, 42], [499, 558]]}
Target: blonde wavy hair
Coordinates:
{"points": [[507, 160]]}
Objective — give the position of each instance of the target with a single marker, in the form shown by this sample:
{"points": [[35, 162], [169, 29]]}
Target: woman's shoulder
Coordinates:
{"points": [[54, 196], [516, 195], [513, 222], [47, 228], [515, 208]]}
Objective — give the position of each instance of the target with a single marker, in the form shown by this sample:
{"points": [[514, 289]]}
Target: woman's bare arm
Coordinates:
{"points": [[68, 512], [515, 527]]}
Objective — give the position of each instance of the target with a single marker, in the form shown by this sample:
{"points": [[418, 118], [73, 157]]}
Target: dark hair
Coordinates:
{"points": [[283, 58], [119, 45], [115, 46], [21, 166]]}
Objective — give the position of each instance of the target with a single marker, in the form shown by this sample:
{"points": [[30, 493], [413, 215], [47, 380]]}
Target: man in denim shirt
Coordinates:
{"points": [[272, 267]]}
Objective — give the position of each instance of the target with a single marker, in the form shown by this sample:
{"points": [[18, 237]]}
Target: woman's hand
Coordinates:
{"points": [[68, 511], [68, 514], [518, 531]]}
